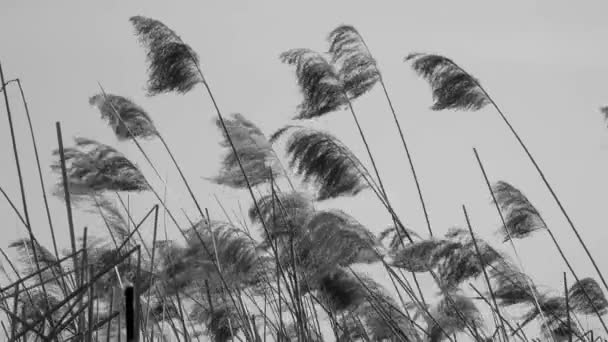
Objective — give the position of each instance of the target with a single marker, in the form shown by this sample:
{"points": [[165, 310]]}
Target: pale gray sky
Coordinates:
{"points": [[544, 62]]}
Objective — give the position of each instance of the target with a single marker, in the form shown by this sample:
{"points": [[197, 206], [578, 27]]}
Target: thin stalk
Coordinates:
{"points": [[181, 174], [68, 203], [91, 303], [504, 226], [402, 136], [77, 292], [152, 263], [567, 306], [523, 336], [485, 274], [543, 177], [37, 157], [20, 176], [561, 253]]}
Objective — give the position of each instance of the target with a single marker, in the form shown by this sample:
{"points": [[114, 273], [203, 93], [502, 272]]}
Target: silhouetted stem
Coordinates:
{"points": [[542, 176], [504, 226], [485, 274], [523, 336], [37, 157], [402, 136], [66, 190], [559, 249], [20, 176]]}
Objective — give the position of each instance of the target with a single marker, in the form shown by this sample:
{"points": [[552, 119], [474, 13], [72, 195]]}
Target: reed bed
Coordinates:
{"points": [[284, 270]]}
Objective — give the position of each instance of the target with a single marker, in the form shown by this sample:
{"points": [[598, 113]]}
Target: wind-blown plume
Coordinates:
{"points": [[340, 290], [583, 290], [222, 322], [357, 68], [38, 304], [398, 238], [454, 258], [464, 262], [93, 167], [511, 285], [418, 256], [172, 64], [555, 322], [318, 81], [452, 87], [337, 239], [254, 151], [26, 248], [521, 217], [185, 267], [345, 292], [291, 334], [552, 307], [448, 316], [102, 255], [604, 111], [126, 118], [557, 330], [383, 319], [283, 214], [112, 217], [322, 160]]}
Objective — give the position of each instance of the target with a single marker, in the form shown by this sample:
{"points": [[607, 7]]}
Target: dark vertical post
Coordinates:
{"points": [[130, 313]]}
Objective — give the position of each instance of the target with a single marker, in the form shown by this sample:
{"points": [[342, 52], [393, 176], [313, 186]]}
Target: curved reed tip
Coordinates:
{"points": [[172, 64], [326, 163], [452, 87], [254, 154]]}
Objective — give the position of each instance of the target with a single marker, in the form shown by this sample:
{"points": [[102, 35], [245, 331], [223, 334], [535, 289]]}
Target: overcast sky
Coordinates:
{"points": [[543, 62]]}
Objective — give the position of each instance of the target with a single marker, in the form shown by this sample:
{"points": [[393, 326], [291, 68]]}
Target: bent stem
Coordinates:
{"points": [[542, 176], [42, 186], [559, 249], [485, 274], [402, 136], [20, 176]]}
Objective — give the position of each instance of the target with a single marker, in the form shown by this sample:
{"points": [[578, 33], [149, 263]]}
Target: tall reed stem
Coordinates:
{"points": [[485, 275], [402, 136], [553, 239], [542, 176], [68, 203], [42, 186], [20, 176]]}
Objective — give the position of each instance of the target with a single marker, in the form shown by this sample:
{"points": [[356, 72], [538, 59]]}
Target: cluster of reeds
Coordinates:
{"points": [[296, 283]]}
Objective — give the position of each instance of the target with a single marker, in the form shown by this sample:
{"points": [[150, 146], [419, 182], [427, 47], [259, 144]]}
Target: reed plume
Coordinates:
{"points": [[220, 319], [452, 316], [396, 239], [340, 290], [452, 87], [356, 67], [255, 152], [183, 267], [337, 239], [285, 214], [418, 256], [454, 258], [127, 119], [521, 217], [318, 81], [511, 285], [594, 299], [323, 161], [172, 64], [93, 168]]}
